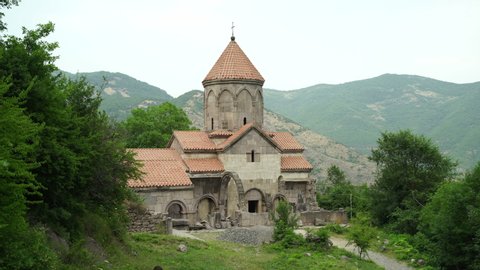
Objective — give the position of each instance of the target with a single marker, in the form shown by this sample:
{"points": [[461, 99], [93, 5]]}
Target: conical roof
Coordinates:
{"points": [[233, 64]]}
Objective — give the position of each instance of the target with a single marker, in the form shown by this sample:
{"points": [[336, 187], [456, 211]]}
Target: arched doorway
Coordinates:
{"points": [[232, 196], [232, 201], [255, 201], [205, 207], [175, 210]]}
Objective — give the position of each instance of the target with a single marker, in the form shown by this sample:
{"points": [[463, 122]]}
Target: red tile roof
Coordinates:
{"points": [[161, 168], [286, 141], [242, 131], [239, 133], [295, 164], [204, 165], [194, 141], [233, 64], [220, 133]]}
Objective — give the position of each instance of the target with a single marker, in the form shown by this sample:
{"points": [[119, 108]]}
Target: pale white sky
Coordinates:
{"points": [[173, 44]]}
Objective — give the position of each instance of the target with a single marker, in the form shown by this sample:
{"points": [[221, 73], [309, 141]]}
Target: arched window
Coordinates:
{"points": [[244, 120]]}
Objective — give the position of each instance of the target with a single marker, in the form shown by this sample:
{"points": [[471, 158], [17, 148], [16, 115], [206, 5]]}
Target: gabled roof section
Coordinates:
{"points": [[194, 141], [287, 142], [204, 165], [241, 132], [295, 164], [162, 167], [233, 64], [220, 133]]}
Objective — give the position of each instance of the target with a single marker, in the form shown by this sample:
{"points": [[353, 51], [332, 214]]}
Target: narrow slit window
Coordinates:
{"points": [[252, 158], [244, 120], [212, 123]]}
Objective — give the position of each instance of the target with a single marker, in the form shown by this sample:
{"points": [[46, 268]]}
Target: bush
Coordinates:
{"points": [[319, 239], [335, 228], [360, 234], [291, 240], [285, 221], [26, 249]]}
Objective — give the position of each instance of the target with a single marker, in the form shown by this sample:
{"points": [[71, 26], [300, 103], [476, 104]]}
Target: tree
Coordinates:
{"points": [[21, 247], [83, 163], [335, 176], [285, 223], [5, 4], [337, 192], [340, 193], [153, 126], [450, 222], [409, 170]]}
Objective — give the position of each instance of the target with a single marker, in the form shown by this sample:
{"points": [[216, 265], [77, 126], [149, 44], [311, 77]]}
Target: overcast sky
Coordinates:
{"points": [[294, 44]]}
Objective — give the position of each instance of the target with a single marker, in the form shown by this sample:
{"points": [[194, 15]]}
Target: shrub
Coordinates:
{"points": [[360, 234], [319, 239], [335, 228], [291, 240], [285, 221]]}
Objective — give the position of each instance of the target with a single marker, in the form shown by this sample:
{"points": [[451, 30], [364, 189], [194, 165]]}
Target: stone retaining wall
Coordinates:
{"points": [[145, 221]]}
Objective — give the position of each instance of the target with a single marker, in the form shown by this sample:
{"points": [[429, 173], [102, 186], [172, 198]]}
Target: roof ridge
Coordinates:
{"points": [[242, 131]]}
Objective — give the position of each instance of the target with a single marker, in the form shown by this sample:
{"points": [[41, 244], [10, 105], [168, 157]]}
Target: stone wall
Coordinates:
{"points": [[323, 217], [145, 221], [246, 219]]}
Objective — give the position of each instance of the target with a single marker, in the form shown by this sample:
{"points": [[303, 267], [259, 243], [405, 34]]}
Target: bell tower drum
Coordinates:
{"points": [[233, 91]]}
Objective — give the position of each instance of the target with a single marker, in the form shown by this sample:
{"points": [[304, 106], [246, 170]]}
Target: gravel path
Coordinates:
{"points": [[378, 258], [255, 235]]}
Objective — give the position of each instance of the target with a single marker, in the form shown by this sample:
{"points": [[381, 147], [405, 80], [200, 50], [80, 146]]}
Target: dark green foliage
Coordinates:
{"points": [[153, 126], [410, 168], [20, 246], [57, 150], [285, 223], [340, 193], [335, 176], [450, 221], [319, 239], [336, 228]]}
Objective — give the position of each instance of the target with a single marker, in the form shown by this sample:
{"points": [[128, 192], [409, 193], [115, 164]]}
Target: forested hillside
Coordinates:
{"points": [[122, 93], [355, 113]]}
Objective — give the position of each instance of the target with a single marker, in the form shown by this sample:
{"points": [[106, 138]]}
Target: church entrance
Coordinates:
{"points": [[255, 201], [205, 207], [231, 196], [175, 211]]}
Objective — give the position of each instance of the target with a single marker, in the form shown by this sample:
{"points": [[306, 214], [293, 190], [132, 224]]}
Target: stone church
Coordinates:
{"points": [[233, 171]]}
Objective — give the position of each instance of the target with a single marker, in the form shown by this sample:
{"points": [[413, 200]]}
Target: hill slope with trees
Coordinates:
{"points": [[355, 113]]}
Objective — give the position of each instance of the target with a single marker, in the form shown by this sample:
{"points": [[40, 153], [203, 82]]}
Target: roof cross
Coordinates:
{"points": [[233, 35]]}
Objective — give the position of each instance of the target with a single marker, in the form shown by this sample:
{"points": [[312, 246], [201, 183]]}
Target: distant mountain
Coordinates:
{"points": [[355, 113], [321, 151], [121, 93]]}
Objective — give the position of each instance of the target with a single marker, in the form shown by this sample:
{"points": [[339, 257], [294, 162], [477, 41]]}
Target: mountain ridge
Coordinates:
{"points": [[352, 113], [437, 109]]}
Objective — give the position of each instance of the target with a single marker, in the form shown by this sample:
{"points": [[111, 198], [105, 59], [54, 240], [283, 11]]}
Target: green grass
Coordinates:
{"points": [[145, 250]]}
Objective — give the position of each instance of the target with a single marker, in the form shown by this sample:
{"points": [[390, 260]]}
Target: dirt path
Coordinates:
{"points": [[378, 258], [185, 234]]}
